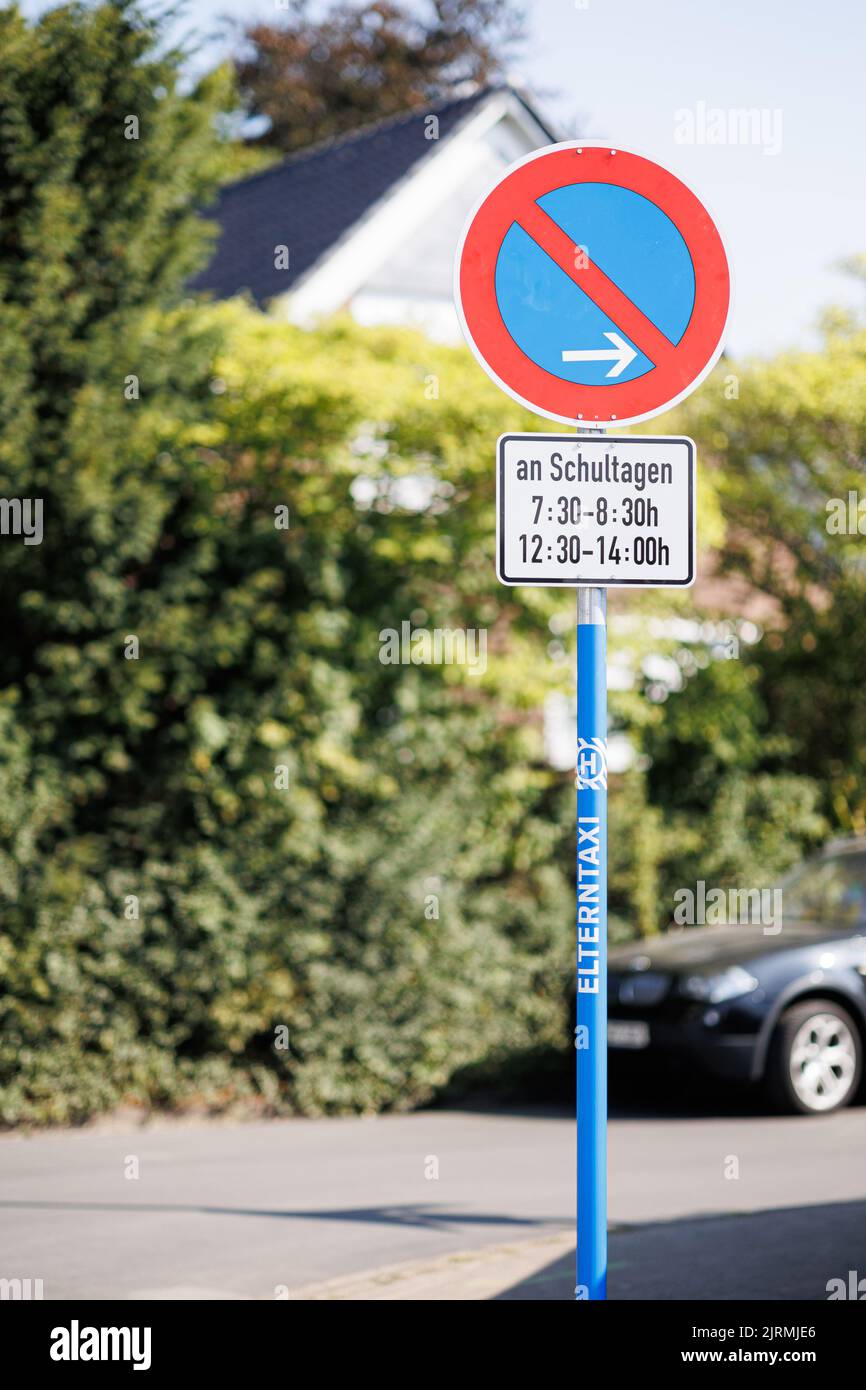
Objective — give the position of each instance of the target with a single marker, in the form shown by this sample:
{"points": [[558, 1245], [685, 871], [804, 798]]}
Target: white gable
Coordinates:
{"points": [[396, 264]]}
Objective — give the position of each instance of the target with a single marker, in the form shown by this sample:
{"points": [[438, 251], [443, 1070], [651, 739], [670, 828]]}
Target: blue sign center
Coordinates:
{"points": [[555, 323]]}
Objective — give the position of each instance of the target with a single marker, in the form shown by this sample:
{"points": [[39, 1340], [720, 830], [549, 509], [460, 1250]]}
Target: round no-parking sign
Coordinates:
{"points": [[592, 285]]}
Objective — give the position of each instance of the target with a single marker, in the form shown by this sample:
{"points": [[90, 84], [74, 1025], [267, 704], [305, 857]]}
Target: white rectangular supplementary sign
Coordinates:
{"points": [[595, 510]]}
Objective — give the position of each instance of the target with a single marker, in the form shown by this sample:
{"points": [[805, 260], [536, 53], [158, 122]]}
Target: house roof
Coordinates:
{"points": [[309, 201]]}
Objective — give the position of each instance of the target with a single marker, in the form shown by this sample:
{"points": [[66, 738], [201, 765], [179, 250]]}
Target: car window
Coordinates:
{"points": [[827, 890]]}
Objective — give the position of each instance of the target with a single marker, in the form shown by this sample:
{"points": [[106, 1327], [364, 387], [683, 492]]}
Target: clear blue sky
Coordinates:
{"points": [[622, 69]]}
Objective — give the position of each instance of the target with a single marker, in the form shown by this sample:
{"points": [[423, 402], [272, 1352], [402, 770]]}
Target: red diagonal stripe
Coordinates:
{"points": [[605, 294]]}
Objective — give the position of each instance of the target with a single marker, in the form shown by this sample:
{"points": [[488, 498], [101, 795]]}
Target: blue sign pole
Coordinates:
{"points": [[591, 1030]]}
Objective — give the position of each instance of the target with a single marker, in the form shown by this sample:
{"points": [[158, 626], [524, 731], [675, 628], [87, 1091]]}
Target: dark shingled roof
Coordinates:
{"points": [[308, 201]]}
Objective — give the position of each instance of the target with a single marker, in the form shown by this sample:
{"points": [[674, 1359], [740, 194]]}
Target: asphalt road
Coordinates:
{"points": [[715, 1205]]}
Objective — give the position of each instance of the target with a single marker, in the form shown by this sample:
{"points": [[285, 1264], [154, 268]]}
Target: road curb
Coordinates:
{"points": [[533, 1269]]}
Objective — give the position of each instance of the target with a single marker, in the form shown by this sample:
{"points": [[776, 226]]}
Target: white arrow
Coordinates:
{"points": [[620, 354]]}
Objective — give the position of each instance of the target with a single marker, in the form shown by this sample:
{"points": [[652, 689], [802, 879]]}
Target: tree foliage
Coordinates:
{"points": [[786, 456], [371, 856], [754, 754], [315, 77]]}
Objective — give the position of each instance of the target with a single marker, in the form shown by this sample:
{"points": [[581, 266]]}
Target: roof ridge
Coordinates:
{"points": [[333, 142], [319, 196]]}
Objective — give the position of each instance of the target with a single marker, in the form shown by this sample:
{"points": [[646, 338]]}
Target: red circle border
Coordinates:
{"points": [[510, 366]]}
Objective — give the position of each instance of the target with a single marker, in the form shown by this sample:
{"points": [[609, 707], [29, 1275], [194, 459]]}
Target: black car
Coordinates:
{"points": [[784, 1004]]}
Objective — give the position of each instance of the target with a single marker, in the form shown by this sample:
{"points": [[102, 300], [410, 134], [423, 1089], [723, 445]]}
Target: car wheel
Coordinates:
{"points": [[815, 1058]]}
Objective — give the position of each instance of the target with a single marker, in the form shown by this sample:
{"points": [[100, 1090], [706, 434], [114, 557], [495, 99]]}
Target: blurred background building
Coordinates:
{"points": [[368, 222]]}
